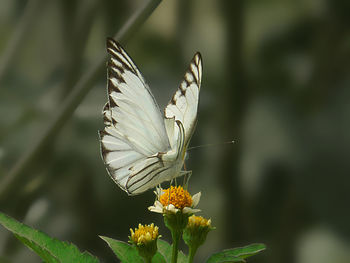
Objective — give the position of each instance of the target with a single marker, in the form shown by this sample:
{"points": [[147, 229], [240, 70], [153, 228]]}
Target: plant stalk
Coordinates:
{"points": [[192, 252], [176, 239]]}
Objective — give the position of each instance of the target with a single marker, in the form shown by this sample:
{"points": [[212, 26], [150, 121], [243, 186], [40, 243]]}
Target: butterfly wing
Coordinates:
{"points": [[135, 129], [184, 103]]}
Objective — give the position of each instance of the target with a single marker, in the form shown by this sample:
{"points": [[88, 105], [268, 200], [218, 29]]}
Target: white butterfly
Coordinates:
{"points": [[140, 147]]}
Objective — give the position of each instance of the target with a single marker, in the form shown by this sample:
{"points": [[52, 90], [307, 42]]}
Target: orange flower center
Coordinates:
{"points": [[176, 196]]}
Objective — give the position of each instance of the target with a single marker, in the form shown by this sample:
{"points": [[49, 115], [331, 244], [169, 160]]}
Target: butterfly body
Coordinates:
{"points": [[140, 147]]}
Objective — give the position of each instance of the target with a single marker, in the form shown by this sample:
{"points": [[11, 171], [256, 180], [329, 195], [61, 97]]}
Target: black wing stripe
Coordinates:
{"points": [[117, 74], [121, 56], [191, 76], [182, 132], [143, 177], [182, 90], [150, 179], [106, 115], [120, 69], [117, 52], [143, 169], [124, 65], [112, 103]]}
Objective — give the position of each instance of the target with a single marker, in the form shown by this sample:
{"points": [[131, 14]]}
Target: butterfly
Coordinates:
{"points": [[140, 146]]}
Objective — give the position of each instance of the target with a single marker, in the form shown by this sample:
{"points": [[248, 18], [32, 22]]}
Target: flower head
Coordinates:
{"points": [[144, 234], [196, 231], [175, 199], [145, 239], [176, 205]]}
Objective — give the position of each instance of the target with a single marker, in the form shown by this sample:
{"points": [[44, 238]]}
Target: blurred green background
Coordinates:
{"points": [[276, 81]]}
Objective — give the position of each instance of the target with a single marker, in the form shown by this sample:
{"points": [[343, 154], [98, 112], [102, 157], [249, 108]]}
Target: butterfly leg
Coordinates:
{"points": [[170, 184], [187, 176]]}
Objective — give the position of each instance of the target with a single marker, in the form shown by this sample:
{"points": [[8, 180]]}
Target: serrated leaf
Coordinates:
{"points": [[128, 253], [45, 255], [165, 249], [236, 254], [51, 250]]}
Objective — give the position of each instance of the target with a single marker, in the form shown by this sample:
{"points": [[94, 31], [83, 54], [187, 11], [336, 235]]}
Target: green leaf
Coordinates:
{"points": [[165, 249], [128, 253], [236, 254], [125, 252], [49, 249], [46, 256], [158, 258]]}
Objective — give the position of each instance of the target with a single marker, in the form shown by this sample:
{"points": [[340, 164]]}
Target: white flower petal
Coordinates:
{"points": [[155, 209], [189, 210], [158, 204], [171, 208], [195, 199]]}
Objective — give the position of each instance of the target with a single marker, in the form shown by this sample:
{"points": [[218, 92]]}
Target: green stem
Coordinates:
{"points": [[176, 238], [192, 252]]}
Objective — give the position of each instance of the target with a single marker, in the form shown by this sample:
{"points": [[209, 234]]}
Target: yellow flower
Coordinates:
{"points": [[175, 199], [144, 234]]}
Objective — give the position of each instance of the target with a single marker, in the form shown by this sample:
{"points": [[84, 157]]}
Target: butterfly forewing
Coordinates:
{"points": [[134, 111]]}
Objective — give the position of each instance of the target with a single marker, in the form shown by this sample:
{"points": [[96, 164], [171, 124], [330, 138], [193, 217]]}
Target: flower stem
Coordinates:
{"points": [[176, 238], [192, 252]]}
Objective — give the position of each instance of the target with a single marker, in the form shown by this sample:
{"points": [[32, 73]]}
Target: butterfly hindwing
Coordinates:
{"points": [[149, 172]]}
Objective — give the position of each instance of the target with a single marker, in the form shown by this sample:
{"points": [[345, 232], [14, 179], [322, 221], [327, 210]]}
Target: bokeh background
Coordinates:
{"points": [[276, 81]]}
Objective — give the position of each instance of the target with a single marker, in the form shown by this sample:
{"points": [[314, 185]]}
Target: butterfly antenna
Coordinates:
{"points": [[210, 145]]}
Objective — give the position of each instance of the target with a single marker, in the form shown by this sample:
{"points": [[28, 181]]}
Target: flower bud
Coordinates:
{"points": [[145, 239]]}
